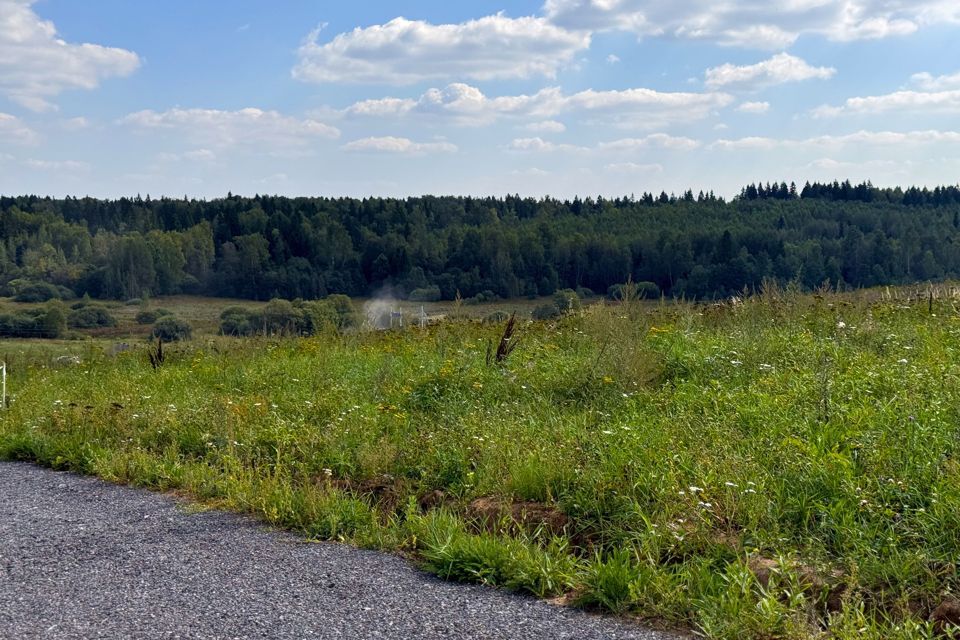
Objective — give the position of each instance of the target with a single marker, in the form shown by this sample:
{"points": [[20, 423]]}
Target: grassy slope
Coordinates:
{"points": [[772, 469]]}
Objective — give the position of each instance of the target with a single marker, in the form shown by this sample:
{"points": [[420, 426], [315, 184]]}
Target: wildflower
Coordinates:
{"points": [[730, 484], [841, 325], [704, 505], [609, 433], [736, 363], [695, 489], [902, 361]]}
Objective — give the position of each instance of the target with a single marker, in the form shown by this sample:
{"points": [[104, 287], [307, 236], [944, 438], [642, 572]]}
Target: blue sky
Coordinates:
{"points": [[554, 97]]}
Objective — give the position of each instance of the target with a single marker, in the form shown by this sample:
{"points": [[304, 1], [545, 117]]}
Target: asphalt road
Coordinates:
{"points": [[80, 558]]}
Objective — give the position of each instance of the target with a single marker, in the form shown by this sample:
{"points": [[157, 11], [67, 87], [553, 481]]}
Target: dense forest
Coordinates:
{"points": [[698, 246]]}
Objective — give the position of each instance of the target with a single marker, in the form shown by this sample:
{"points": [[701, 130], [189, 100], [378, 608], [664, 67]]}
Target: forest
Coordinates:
{"points": [[693, 246]]}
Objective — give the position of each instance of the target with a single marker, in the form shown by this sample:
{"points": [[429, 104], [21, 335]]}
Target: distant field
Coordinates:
{"points": [[787, 466]]}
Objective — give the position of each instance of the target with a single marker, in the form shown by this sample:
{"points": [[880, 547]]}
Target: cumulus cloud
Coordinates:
{"points": [[546, 126], [404, 146], [779, 69], [623, 145], [758, 24], [230, 128], [539, 145], [633, 108], [36, 64], [653, 141], [754, 107], [899, 101], [409, 51], [857, 139], [13, 130], [68, 166], [928, 82]]}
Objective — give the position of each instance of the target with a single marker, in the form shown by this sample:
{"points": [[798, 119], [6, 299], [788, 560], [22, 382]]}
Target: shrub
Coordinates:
{"points": [[91, 316], [281, 317], [160, 311], [171, 329], [37, 292], [566, 300], [42, 322], [496, 317], [146, 317], [545, 312], [235, 321]]}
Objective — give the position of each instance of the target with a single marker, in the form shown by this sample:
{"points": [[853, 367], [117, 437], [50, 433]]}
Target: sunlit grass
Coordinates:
{"points": [[776, 468]]}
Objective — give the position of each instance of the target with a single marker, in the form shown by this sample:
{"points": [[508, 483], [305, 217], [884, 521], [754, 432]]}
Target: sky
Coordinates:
{"points": [[558, 98]]}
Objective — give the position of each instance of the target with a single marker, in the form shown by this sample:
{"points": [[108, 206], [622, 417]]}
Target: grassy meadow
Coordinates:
{"points": [[783, 467]]}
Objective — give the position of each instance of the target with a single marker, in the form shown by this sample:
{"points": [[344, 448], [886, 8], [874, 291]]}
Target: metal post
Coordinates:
{"points": [[3, 376]]}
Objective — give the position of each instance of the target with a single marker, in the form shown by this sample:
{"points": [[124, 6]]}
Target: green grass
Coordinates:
{"points": [[782, 468]]}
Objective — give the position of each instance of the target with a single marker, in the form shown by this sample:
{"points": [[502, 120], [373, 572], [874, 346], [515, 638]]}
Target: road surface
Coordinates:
{"points": [[80, 558]]}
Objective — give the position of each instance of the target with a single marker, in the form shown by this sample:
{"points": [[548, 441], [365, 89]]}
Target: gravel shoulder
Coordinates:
{"points": [[80, 558]]}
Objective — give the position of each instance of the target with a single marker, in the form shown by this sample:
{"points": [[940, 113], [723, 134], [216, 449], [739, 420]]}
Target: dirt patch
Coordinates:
{"points": [[489, 512], [946, 615], [384, 491], [829, 589]]}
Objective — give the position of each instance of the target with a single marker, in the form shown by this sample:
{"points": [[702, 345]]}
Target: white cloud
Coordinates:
{"points": [[623, 145], [539, 145], [409, 51], [613, 59], [899, 101], [656, 140], [13, 130], [757, 24], [230, 128], [633, 108], [632, 167], [196, 155], [858, 139], [37, 65], [927, 82], [75, 124], [405, 146], [754, 107], [546, 126], [779, 69], [69, 166]]}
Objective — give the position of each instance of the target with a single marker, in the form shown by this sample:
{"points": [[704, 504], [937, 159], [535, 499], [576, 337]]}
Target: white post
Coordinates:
{"points": [[3, 376]]}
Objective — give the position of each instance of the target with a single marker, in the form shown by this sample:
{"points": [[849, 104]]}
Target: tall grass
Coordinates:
{"points": [[778, 466]]}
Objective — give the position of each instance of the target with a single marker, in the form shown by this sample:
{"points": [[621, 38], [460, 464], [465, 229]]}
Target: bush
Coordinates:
{"points": [[426, 294], [545, 312], [162, 312], [171, 329], [146, 317], [235, 321], [496, 317], [91, 316], [566, 300], [45, 322], [37, 292]]}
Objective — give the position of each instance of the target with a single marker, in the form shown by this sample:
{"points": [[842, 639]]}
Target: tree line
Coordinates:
{"points": [[264, 247]]}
